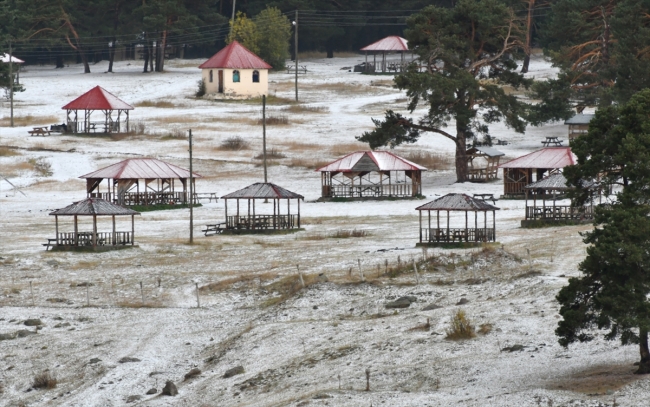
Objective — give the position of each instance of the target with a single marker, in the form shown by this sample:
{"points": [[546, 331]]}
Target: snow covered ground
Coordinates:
{"points": [[314, 347]]}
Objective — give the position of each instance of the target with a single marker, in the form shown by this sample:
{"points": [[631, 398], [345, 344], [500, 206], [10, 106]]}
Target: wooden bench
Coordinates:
{"points": [[39, 131], [209, 196], [486, 197], [552, 141], [216, 229], [301, 69], [50, 243]]}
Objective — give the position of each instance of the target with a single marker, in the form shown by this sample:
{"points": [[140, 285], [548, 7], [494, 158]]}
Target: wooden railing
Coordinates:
{"points": [[514, 188], [452, 235], [563, 212], [145, 198], [86, 239], [262, 222], [370, 190]]}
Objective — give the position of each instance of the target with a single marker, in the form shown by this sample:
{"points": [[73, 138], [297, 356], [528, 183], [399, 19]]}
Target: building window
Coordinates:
{"points": [[211, 76], [235, 76], [256, 76]]}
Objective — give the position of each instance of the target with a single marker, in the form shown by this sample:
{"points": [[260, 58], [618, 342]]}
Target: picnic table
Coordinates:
{"points": [[486, 197], [552, 141], [216, 229], [301, 69], [39, 131]]}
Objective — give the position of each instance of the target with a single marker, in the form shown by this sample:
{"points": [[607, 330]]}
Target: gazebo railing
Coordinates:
{"points": [[559, 212], [514, 188], [86, 238], [368, 191], [457, 235], [144, 198], [262, 222]]}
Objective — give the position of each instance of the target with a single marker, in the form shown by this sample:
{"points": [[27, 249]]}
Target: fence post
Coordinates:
{"points": [[198, 303], [142, 292], [32, 291]]}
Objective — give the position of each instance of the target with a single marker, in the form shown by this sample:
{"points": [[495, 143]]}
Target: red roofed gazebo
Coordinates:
{"points": [[140, 181], [371, 174], [392, 44], [533, 167], [237, 72], [100, 99]]}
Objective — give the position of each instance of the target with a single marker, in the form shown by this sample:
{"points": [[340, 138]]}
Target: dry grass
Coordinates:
{"points": [[347, 148], [306, 163], [432, 161], [271, 120], [157, 103], [234, 143], [39, 166], [29, 120], [596, 379], [139, 304], [345, 234], [44, 380], [8, 152], [272, 153], [237, 281], [320, 55], [485, 329], [460, 327], [306, 109], [298, 146], [287, 287]]}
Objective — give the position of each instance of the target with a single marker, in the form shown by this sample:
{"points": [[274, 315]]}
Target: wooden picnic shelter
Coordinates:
{"points": [[93, 207], [141, 181], [248, 216], [546, 192], [390, 44], [533, 167], [97, 99], [371, 174], [483, 163], [431, 230], [579, 124]]}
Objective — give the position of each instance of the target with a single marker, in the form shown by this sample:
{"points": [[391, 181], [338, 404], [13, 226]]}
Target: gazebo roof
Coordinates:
{"points": [[392, 43], [5, 59], [97, 98], [457, 202], [549, 157], [94, 206], [263, 190], [488, 151], [141, 168], [236, 56], [361, 161], [557, 182], [581, 118]]}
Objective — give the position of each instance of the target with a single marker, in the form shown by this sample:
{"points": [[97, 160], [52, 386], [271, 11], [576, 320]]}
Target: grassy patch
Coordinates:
{"points": [[156, 103], [306, 109], [29, 120], [429, 160], [151, 208], [44, 380], [272, 120], [344, 234], [234, 143], [8, 152], [287, 287], [460, 327], [272, 153]]}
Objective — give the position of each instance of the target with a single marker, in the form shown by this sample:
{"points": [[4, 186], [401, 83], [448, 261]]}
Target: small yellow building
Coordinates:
{"points": [[235, 72]]}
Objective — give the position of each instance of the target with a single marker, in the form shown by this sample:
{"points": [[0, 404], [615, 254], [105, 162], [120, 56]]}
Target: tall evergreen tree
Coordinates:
{"points": [[274, 34], [466, 55]]}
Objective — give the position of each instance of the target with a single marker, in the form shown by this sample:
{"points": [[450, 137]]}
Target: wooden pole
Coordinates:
{"points": [[31, 290], [198, 303], [296, 52], [232, 20], [113, 236], [11, 86], [94, 230], [192, 186], [142, 292], [132, 230], [264, 138], [56, 221]]}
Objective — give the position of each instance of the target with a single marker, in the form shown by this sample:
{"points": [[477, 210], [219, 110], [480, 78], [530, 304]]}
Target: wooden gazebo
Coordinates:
{"points": [[483, 163], [533, 167], [390, 44], [431, 231], [252, 217], [371, 174], [94, 207], [99, 99], [141, 181], [545, 194], [579, 124]]}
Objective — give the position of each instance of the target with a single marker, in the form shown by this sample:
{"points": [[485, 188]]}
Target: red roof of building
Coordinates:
{"points": [[141, 168], [98, 98], [392, 43], [361, 161], [236, 56], [550, 157]]}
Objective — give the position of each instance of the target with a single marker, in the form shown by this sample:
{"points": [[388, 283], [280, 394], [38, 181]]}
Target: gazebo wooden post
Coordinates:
{"points": [[429, 231], [113, 235], [288, 213], [248, 215], [298, 213], [374, 61], [526, 205], [447, 225], [438, 222], [132, 230], [554, 213], [275, 216], [366, 66], [254, 221], [56, 222], [225, 202], [76, 231], [94, 230], [543, 205], [466, 235], [127, 121], [420, 222], [237, 216], [494, 226]]}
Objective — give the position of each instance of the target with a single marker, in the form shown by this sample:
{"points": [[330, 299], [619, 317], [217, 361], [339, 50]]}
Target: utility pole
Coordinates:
{"points": [[295, 46], [11, 86], [264, 135], [191, 195], [232, 20]]}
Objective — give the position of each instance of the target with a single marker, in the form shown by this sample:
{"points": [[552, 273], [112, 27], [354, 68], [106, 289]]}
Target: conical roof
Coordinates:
{"points": [[391, 43], [235, 56], [457, 202], [263, 190], [549, 157], [361, 161], [98, 98], [141, 168], [94, 206]]}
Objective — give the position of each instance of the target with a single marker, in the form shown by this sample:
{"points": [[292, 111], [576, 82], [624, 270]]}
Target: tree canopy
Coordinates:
{"points": [[465, 52]]}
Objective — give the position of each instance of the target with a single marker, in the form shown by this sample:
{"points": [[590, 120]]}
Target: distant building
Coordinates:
{"points": [[578, 125], [236, 72]]}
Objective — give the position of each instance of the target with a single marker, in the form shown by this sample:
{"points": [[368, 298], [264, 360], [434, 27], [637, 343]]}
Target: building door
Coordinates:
{"points": [[220, 82]]}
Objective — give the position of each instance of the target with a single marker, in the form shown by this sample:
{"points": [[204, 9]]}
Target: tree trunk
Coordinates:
{"points": [[111, 56], [461, 156], [59, 61], [162, 51], [529, 31], [644, 364], [146, 57], [84, 59]]}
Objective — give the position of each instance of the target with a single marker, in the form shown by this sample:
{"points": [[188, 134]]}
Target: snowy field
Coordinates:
{"points": [[298, 347]]}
